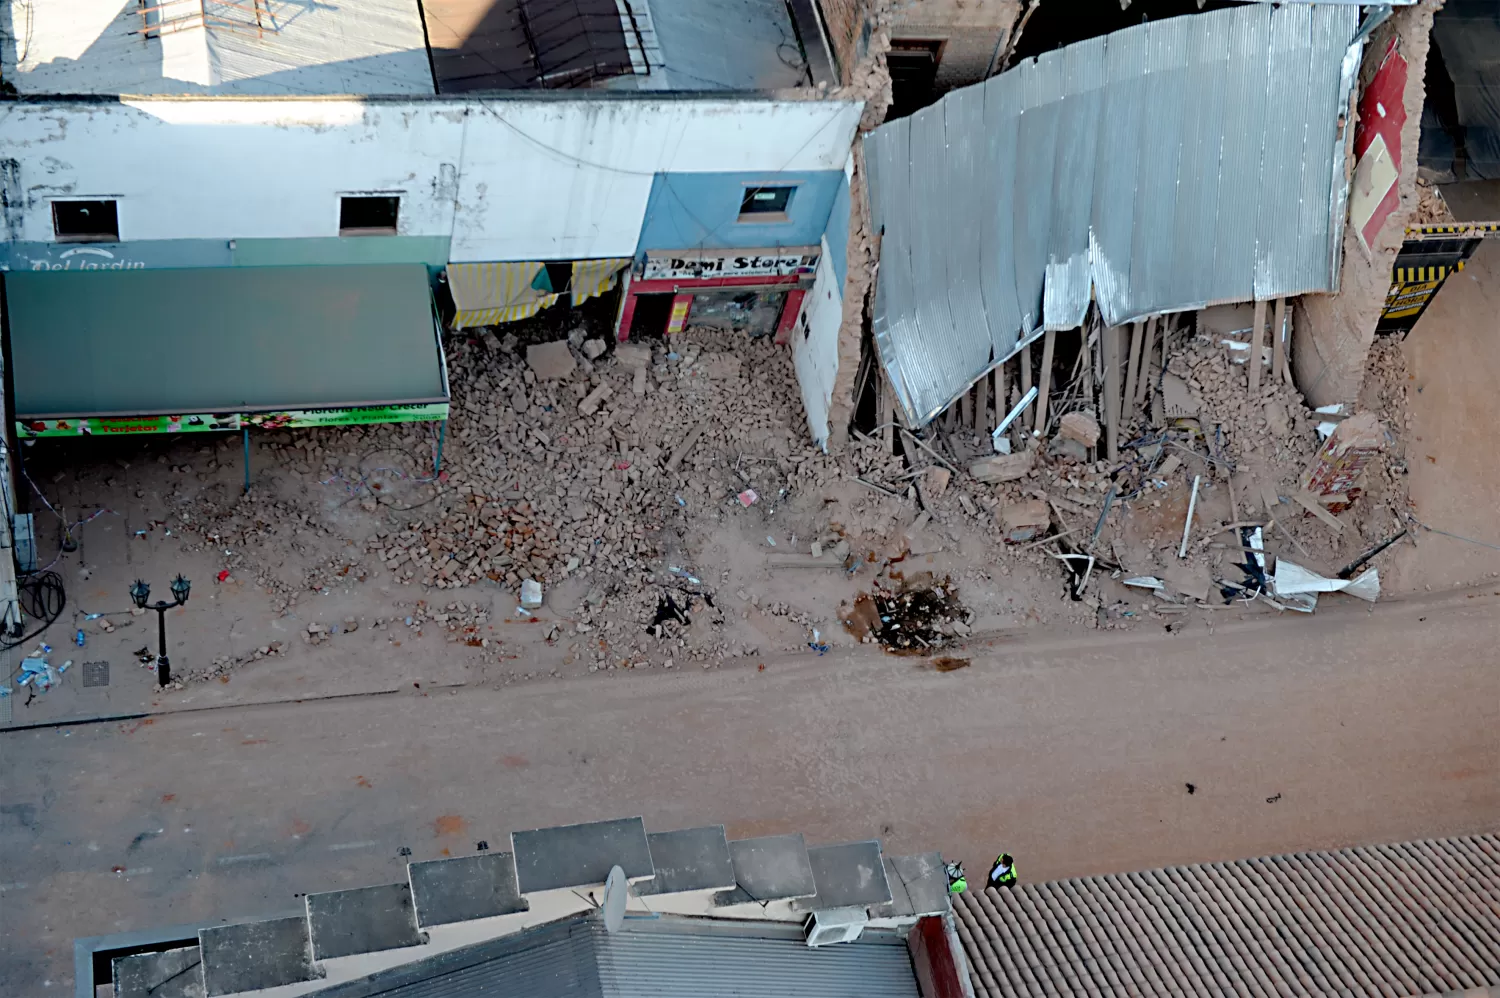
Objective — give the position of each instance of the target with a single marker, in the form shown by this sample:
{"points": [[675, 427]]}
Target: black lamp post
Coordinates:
{"points": [[140, 592]]}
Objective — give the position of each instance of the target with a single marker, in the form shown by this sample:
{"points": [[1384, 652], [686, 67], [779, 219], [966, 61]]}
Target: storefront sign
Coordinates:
{"points": [[1420, 270], [200, 423], [694, 265]]}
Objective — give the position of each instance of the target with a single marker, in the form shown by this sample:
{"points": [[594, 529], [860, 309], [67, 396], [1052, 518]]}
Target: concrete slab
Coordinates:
{"points": [[549, 859], [362, 920], [919, 886], [171, 973], [849, 875], [770, 868], [458, 890], [690, 859], [249, 956], [550, 360]]}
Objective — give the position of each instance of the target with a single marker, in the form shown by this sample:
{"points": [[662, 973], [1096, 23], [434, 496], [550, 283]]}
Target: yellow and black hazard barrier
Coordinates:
{"points": [[1420, 270]]}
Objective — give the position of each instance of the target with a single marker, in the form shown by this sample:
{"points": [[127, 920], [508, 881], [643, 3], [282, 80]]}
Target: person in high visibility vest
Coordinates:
{"points": [[1003, 873], [957, 882]]}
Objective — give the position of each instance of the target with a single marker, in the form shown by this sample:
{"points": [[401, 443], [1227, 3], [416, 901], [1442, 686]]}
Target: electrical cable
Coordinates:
{"points": [[1457, 537]]}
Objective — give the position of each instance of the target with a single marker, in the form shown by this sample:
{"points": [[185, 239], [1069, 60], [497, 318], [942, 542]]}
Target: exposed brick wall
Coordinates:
{"points": [[844, 20]]}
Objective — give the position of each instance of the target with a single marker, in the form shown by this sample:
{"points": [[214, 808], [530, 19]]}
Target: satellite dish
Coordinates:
{"points": [[616, 892]]}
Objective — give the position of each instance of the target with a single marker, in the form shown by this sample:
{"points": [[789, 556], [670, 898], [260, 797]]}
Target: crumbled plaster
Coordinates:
{"points": [[1332, 333]]}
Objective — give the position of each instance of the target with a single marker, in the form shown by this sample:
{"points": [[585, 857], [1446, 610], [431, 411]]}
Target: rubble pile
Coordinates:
{"points": [[584, 471], [1431, 208], [1274, 426]]}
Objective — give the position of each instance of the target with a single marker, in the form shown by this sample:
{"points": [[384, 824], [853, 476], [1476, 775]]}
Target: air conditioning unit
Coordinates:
{"points": [[835, 925]]}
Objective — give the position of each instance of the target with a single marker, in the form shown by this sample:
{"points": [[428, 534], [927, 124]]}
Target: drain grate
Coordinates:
{"points": [[96, 674], [5, 708]]}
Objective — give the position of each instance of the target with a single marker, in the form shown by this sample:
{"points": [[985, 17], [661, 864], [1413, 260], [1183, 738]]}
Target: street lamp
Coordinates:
{"points": [[140, 592]]}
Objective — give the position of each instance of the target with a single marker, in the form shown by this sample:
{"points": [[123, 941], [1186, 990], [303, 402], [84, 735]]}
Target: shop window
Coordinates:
{"points": [[766, 204], [85, 221], [368, 215]]}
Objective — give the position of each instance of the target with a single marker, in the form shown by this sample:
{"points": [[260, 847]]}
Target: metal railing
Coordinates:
{"points": [[167, 17]]}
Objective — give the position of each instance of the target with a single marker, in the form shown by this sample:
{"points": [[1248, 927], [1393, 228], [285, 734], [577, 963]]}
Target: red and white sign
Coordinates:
{"points": [[1377, 148], [694, 265]]}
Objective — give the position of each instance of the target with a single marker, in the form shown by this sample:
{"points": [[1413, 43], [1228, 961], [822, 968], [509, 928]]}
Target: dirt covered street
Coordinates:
{"points": [[1077, 753]]}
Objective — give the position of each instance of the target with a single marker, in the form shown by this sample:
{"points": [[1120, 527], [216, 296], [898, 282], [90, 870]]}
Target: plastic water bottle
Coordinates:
{"points": [[80, 638]]}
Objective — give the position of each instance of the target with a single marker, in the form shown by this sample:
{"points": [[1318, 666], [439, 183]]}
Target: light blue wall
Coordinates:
{"points": [[838, 232], [698, 210]]}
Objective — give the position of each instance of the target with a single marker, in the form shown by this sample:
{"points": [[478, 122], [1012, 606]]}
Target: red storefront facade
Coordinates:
{"points": [[757, 291]]}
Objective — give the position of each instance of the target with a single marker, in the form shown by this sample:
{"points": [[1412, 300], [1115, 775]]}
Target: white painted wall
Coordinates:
{"points": [[534, 179], [815, 346]]}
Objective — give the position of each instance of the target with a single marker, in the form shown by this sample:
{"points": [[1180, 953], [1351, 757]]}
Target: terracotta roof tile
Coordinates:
{"points": [[1395, 921]]}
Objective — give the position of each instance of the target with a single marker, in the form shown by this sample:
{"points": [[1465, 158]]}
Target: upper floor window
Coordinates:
{"points": [[365, 215], [766, 204], [85, 221]]}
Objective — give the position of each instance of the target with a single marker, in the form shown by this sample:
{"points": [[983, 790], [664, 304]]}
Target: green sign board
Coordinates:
{"points": [[209, 422]]}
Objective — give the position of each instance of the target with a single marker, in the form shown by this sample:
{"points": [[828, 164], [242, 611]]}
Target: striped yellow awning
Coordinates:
{"points": [[487, 294], [1414, 275], [594, 277]]}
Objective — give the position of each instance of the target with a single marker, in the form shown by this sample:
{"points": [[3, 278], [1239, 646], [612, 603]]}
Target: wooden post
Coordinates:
{"points": [[1278, 348], [999, 394], [1026, 417], [1111, 344], [1132, 369], [1257, 334], [981, 403], [966, 409], [1144, 369], [1044, 381], [885, 407]]}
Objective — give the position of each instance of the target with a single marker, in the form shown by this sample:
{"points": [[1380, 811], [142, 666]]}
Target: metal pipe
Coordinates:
{"points": [[1015, 413], [1187, 525]]}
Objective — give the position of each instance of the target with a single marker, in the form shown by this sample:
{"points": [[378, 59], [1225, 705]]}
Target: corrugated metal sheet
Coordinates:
{"points": [[1416, 918], [1168, 166], [667, 958]]}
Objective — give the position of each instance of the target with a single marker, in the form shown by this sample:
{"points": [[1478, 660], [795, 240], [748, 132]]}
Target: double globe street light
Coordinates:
{"points": [[140, 592]]}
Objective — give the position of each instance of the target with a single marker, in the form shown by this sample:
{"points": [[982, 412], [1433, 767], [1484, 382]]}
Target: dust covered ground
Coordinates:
{"points": [[668, 498]]}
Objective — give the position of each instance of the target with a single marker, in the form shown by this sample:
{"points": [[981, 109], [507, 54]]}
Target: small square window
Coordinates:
{"points": [[368, 216], [765, 204], [85, 221]]}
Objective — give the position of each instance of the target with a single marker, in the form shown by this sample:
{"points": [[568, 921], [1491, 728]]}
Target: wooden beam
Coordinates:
{"points": [[1026, 381], [999, 394], [1144, 369], [1278, 348], [1110, 337], [981, 403], [885, 406], [966, 409], [1257, 338], [1132, 369], [1044, 381]]}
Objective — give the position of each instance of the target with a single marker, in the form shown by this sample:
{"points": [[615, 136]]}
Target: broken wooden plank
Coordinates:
{"points": [[686, 447], [1044, 382], [1003, 467], [1278, 347], [1111, 344], [999, 377], [1026, 375], [1309, 502], [1144, 378], [1132, 367], [1257, 334]]}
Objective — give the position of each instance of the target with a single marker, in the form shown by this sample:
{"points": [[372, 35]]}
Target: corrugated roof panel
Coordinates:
{"points": [[1168, 93], [1409, 919], [1067, 291], [1164, 167], [648, 963], [1247, 84], [967, 146], [1114, 196], [997, 233], [1197, 234]]}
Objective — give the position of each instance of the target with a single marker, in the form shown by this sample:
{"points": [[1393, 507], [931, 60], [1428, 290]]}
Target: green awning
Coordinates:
{"points": [[231, 340]]}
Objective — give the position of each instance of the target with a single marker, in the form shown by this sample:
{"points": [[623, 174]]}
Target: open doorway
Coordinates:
{"points": [[651, 314], [913, 65]]}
